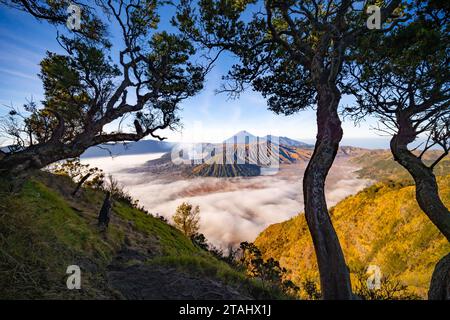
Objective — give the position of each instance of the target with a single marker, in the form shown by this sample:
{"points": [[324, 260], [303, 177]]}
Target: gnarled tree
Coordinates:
{"points": [[403, 79], [56, 13], [85, 90], [292, 52]]}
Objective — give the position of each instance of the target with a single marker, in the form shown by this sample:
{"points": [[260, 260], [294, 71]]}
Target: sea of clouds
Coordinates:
{"points": [[231, 209]]}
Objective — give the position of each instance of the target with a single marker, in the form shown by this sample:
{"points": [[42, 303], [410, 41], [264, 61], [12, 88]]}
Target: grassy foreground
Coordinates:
{"points": [[43, 230]]}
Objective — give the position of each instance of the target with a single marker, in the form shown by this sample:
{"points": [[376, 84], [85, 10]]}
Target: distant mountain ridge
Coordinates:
{"points": [[155, 146], [380, 165], [294, 143], [243, 154], [131, 148], [246, 137]]}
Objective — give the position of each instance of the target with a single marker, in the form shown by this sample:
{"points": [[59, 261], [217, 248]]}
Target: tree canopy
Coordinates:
{"points": [[86, 89], [403, 78], [293, 53], [187, 219]]}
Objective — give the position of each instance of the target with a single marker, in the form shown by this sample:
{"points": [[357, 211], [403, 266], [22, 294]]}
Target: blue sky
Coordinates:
{"points": [[205, 117]]}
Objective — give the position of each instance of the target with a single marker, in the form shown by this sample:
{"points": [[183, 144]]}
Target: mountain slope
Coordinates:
{"points": [[381, 225], [292, 143], [43, 230], [226, 170], [246, 137], [380, 165], [131, 148], [245, 160], [240, 137]]}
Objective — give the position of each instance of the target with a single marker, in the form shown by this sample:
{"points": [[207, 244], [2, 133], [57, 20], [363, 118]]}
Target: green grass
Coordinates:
{"points": [[40, 236], [56, 219], [172, 241], [43, 229], [179, 252]]}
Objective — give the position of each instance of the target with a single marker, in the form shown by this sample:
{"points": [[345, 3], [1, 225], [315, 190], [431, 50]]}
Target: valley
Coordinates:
{"points": [[233, 209]]}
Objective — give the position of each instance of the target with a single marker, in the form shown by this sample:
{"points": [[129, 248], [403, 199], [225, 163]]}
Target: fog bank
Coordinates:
{"points": [[231, 209]]}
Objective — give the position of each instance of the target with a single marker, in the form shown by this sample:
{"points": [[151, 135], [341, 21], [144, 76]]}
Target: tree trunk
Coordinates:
{"points": [[427, 192], [80, 184], [105, 212], [440, 281], [334, 274], [19, 165]]}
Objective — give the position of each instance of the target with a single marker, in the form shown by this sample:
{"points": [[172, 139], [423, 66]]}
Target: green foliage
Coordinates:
{"points": [[76, 171], [68, 82], [43, 229], [402, 77], [40, 235], [268, 271], [199, 240], [85, 90], [284, 53], [55, 12], [186, 218], [381, 225]]}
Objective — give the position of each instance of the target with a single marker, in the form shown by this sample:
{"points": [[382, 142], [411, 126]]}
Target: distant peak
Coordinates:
{"points": [[241, 136], [244, 133]]}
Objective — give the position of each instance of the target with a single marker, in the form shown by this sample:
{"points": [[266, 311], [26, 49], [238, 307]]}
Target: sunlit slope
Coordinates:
{"points": [[379, 165], [248, 160], [381, 225]]}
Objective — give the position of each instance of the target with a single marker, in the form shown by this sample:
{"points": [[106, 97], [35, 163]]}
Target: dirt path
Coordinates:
{"points": [[142, 281]]}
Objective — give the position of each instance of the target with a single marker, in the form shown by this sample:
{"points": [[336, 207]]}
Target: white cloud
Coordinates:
{"points": [[232, 209]]}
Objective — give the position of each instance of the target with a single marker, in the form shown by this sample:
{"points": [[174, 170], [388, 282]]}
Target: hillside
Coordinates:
{"points": [[43, 230], [380, 165], [247, 163], [381, 225], [226, 170]]}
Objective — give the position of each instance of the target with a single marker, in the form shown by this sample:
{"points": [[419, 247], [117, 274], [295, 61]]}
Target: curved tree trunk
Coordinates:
{"points": [[427, 192], [440, 281], [80, 184], [20, 164], [334, 274], [105, 212]]}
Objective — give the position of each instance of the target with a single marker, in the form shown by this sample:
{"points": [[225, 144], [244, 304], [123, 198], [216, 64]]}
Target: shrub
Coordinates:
{"points": [[187, 219]]}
